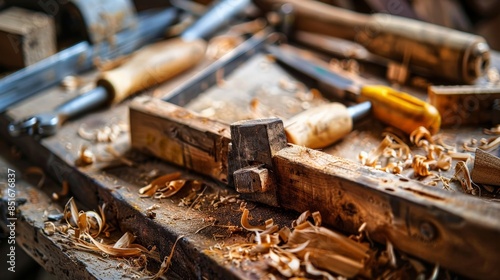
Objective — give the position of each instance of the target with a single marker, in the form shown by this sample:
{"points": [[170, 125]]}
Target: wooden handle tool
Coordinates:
{"points": [[152, 65], [322, 126], [317, 127], [161, 61], [442, 52]]}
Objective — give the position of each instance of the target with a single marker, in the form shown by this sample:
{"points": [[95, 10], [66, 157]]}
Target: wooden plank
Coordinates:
{"points": [[430, 223], [466, 105], [182, 137]]}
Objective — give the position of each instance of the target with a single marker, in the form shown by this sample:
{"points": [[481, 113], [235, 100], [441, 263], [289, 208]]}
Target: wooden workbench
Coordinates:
{"points": [[116, 184]]}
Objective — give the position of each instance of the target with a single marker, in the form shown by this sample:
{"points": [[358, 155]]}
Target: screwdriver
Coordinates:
{"points": [[150, 65], [321, 126]]}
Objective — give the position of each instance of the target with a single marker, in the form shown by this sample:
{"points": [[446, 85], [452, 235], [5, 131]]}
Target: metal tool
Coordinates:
{"points": [[392, 107], [80, 57], [439, 51], [151, 65]]}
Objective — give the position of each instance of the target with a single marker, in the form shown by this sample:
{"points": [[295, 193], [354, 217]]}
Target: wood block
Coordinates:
{"points": [[26, 37], [464, 105]]}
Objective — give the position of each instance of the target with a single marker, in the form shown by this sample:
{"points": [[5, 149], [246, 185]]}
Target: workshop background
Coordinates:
{"points": [[481, 17]]}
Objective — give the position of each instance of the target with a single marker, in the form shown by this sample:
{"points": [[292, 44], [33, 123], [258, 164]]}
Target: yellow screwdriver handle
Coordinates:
{"points": [[152, 65], [400, 109]]}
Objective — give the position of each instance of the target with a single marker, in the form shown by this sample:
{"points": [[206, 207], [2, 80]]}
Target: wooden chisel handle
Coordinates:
{"points": [[440, 51], [320, 126], [152, 65]]}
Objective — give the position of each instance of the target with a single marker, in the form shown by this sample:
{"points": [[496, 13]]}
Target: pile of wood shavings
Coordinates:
{"points": [[167, 185], [82, 229], [430, 156], [105, 134], [309, 251]]}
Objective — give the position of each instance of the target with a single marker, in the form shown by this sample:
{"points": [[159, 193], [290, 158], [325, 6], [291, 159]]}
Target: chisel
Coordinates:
{"points": [[150, 65], [441, 52], [322, 126]]}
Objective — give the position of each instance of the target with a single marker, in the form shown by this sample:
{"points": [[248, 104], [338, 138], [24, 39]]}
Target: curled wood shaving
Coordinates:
{"points": [[88, 222], [62, 193], [36, 171], [160, 182], [314, 271], [82, 227], [374, 155], [50, 228], [167, 261], [106, 134], [420, 134], [170, 188], [85, 156], [484, 144], [110, 249], [286, 249], [246, 224], [493, 131], [462, 175]]}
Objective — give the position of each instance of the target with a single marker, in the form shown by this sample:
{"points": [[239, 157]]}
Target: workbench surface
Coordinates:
{"points": [[115, 181]]}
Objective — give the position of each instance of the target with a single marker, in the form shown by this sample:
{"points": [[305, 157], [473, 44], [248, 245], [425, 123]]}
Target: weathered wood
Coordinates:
{"points": [[118, 188], [26, 37], [430, 223], [254, 142], [180, 137], [53, 253], [436, 225], [464, 105]]}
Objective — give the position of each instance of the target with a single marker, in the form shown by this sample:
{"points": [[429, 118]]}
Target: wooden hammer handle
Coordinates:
{"points": [[152, 65]]}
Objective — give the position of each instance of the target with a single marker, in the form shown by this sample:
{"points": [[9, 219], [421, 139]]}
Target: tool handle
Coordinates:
{"points": [[440, 51], [319, 127], [152, 65], [81, 104], [401, 110]]}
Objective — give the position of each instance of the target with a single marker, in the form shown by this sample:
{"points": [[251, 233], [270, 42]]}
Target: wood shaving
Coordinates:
{"points": [[493, 131], [85, 156], [105, 134], [63, 192], [484, 144], [431, 155], [150, 190], [462, 175], [83, 227], [306, 249], [36, 171], [167, 261]]}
